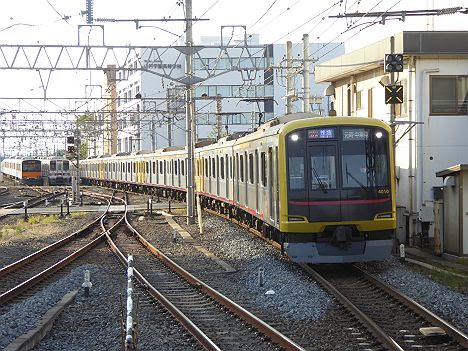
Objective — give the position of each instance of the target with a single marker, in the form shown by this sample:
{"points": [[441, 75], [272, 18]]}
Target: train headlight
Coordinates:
{"points": [[294, 137], [378, 135]]}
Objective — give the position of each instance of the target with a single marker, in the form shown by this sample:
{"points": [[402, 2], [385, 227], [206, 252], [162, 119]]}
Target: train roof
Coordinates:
{"points": [[283, 124]]}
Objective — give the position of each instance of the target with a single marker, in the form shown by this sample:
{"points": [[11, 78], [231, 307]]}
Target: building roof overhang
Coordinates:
{"points": [[430, 44], [452, 170]]}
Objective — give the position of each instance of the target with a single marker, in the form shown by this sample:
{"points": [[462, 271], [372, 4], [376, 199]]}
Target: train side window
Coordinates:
{"points": [[53, 165], [263, 169], [147, 167], [182, 167], [222, 167], [230, 166], [206, 167], [134, 167], [213, 167], [251, 169], [296, 172], [241, 168], [154, 167], [161, 167], [176, 162]]}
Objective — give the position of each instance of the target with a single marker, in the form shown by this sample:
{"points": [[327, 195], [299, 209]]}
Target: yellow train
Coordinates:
{"points": [[322, 187]]}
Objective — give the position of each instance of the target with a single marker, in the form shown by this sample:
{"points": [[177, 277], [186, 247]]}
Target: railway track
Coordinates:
{"points": [[29, 271], [397, 321], [34, 201], [216, 322]]}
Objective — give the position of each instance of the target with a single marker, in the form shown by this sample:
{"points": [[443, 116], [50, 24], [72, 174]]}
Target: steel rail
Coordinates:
{"points": [[3, 190], [201, 337], [31, 282], [456, 334], [383, 337], [238, 310], [34, 201], [35, 255]]}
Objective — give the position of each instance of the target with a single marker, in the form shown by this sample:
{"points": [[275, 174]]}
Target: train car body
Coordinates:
{"points": [[25, 170], [322, 187], [56, 171]]}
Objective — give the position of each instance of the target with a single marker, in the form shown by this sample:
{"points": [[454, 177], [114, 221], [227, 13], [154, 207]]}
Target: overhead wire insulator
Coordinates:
{"points": [[449, 11], [89, 11]]}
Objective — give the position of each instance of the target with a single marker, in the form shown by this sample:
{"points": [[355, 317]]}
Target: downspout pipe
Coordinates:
{"points": [[420, 135]]}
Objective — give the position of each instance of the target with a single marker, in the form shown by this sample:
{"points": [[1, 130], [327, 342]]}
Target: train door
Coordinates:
{"points": [[226, 173], [270, 182], [256, 166], [324, 191]]}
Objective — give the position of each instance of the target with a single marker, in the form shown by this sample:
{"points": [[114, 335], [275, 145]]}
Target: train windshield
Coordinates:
{"points": [[53, 165], [32, 166], [364, 158], [66, 166]]}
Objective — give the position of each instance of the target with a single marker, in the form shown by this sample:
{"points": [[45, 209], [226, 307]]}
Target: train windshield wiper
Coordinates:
{"points": [[319, 181], [356, 180]]}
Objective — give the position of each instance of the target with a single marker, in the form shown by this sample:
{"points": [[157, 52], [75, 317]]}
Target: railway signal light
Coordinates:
{"points": [[71, 140], [393, 63], [71, 149], [394, 94]]}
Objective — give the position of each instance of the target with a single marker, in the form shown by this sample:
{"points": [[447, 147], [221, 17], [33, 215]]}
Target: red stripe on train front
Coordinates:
{"points": [[339, 202]]}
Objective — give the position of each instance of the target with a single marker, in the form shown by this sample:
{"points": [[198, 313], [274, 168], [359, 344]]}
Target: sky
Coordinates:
{"points": [[276, 21]]}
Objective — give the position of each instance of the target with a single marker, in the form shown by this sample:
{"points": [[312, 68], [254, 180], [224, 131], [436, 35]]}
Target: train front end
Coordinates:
{"points": [[31, 172], [338, 202]]}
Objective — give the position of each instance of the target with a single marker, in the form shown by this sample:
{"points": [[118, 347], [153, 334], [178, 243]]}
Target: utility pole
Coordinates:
{"points": [[305, 74], [289, 78], [169, 130], [219, 111], [190, 118]]}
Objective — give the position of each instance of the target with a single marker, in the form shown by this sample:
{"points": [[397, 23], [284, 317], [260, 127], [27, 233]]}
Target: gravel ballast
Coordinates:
{"points": [[441, 300]]}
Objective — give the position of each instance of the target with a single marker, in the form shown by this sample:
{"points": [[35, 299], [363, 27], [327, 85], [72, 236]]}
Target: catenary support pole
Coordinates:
{"points": [[190, 118], [305, 74], [289, 78]]}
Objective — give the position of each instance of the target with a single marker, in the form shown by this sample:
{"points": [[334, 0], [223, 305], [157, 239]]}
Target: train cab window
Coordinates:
{"points": [[251, 169], [263, 169], [323, 167], [241, 168], [296, 172], [66, 166], [364, 158], [53, 165], [222, 167]]}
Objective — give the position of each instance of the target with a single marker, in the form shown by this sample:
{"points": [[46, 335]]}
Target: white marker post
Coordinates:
{"points": [[129, 342], [402, 253], [87, 283]]}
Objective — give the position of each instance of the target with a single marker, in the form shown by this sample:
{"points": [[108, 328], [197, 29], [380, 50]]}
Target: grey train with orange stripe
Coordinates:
{"points": [[323, 187]]}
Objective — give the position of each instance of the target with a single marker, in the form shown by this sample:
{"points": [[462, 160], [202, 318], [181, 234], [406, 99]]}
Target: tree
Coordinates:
{"points": [[87, 129]]}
